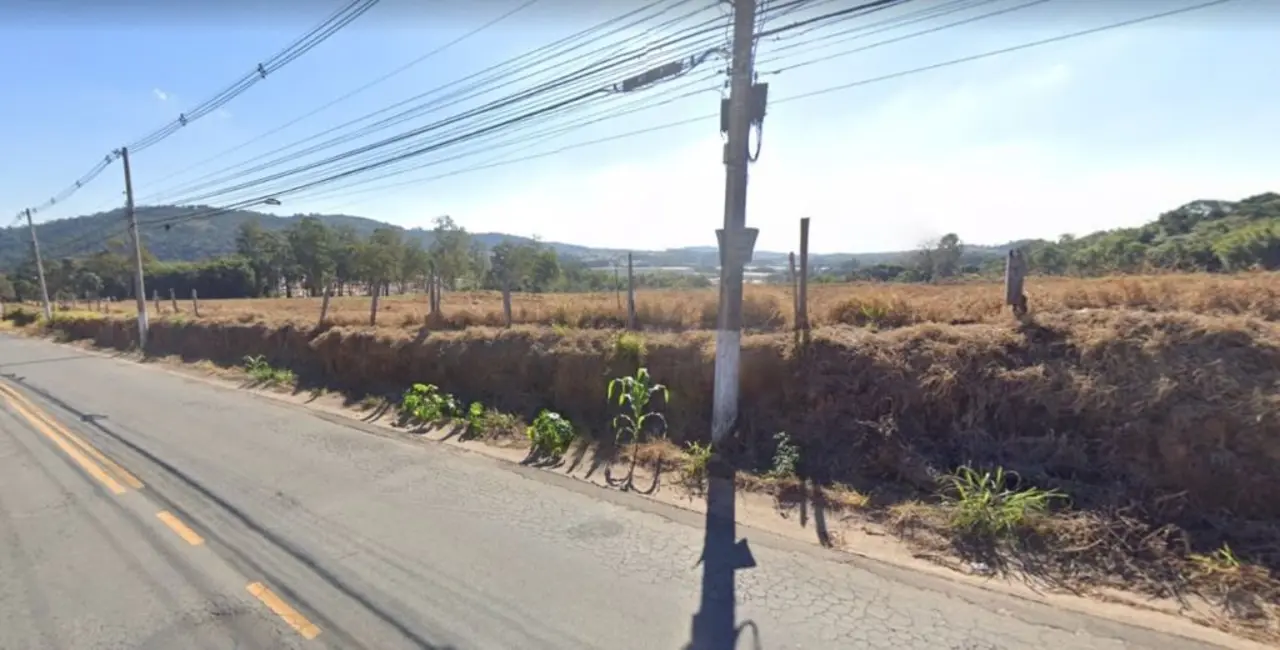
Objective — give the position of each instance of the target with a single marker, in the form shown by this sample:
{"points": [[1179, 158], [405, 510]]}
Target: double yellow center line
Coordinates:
{"points": [[92, 461], [116, 479]]}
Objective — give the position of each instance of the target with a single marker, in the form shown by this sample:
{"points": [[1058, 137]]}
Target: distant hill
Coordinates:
{"points": [[196, 239], [200, 239]]}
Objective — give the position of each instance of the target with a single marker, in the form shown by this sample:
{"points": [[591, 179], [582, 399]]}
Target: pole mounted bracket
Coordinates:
{"points": [[740, 250]]}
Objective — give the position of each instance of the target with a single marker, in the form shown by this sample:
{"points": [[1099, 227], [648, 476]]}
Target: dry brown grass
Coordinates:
{"points": [[1151, 401], [768, 308]]}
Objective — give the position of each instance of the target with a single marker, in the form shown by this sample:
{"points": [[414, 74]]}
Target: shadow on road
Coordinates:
{"points": [[40, 361], [714, 624]]}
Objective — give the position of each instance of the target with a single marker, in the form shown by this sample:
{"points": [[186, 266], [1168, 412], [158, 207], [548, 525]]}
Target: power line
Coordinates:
{"points": [[827, 57], [418, 149], [1005, 50], [859, 10], [349, 94], [303, 44], [568, 84], [708, 117], [941, 9], [822, 91], [699, 86], [477, 88]]}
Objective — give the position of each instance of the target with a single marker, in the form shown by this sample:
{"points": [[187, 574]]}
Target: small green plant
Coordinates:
{"points": [[475, 413], [630, 346], [550, 434], [261, 372], [424, 404], [985, 504], [1223, 560], [786, 456], [696, 458], [257, 367], [634, 394]]}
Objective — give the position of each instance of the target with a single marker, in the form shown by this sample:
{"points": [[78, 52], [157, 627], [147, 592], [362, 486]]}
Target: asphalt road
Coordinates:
{"points": [[148, 510]]}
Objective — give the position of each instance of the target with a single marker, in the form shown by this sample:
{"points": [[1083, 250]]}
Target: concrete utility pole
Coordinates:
{"points": [[44, 289], [735, 239], [139, 288]]}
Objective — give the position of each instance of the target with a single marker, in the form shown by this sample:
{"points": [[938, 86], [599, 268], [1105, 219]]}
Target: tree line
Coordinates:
{"points": [[1201, 236], [310, 256]]}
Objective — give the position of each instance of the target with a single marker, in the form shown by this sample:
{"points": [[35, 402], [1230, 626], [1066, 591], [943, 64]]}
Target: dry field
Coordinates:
{"points": [[768, 309], [1151, 402]]}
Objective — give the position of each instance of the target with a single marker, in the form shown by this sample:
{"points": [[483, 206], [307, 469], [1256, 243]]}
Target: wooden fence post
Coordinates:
{"points": [[431, 293], [795, 291], [155, 295], [324, 304], [1015, 272], [373, 305], [195, 303], [631, 294], [506, 299], [173, 299], [803, 295]]}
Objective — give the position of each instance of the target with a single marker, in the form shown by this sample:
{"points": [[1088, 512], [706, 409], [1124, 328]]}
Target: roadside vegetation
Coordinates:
{"points": [[1126, 435]]}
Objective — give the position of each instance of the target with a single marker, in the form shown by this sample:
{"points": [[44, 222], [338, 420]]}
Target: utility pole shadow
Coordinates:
{"points": [[714, 624]]}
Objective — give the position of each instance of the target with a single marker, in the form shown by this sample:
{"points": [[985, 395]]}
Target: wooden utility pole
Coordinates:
{"points": [[139, 286], [324, 304], [735, 239], [44, 289], [631, 295], [803, 296], [795, 290], [506, 298], [1015, 272]]}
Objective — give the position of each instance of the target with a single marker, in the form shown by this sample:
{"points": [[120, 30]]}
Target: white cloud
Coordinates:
{"points": [[223, 114], [160, 94]]}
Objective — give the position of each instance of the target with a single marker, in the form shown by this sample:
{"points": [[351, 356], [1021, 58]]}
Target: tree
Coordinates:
{"points": [[311, 246], [266, 253], [7, 291], [1255, 245], [510, 265], [345, 252], [380, 258], [946, 258], [415, 265], [87, 284], [544, 270], [450, 251]]}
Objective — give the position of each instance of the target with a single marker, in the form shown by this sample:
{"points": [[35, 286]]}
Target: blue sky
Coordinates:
{"points": [[1096, 132]]}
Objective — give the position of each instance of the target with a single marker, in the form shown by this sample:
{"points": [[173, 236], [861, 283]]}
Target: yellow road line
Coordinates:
{"points": [[297, 621], [184, 531], [83, 461], [124, 475]]}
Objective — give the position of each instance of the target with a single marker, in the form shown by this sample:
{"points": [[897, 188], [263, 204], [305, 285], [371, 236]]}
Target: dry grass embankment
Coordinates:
{"points": [[768, 308], [1161, 426]]}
